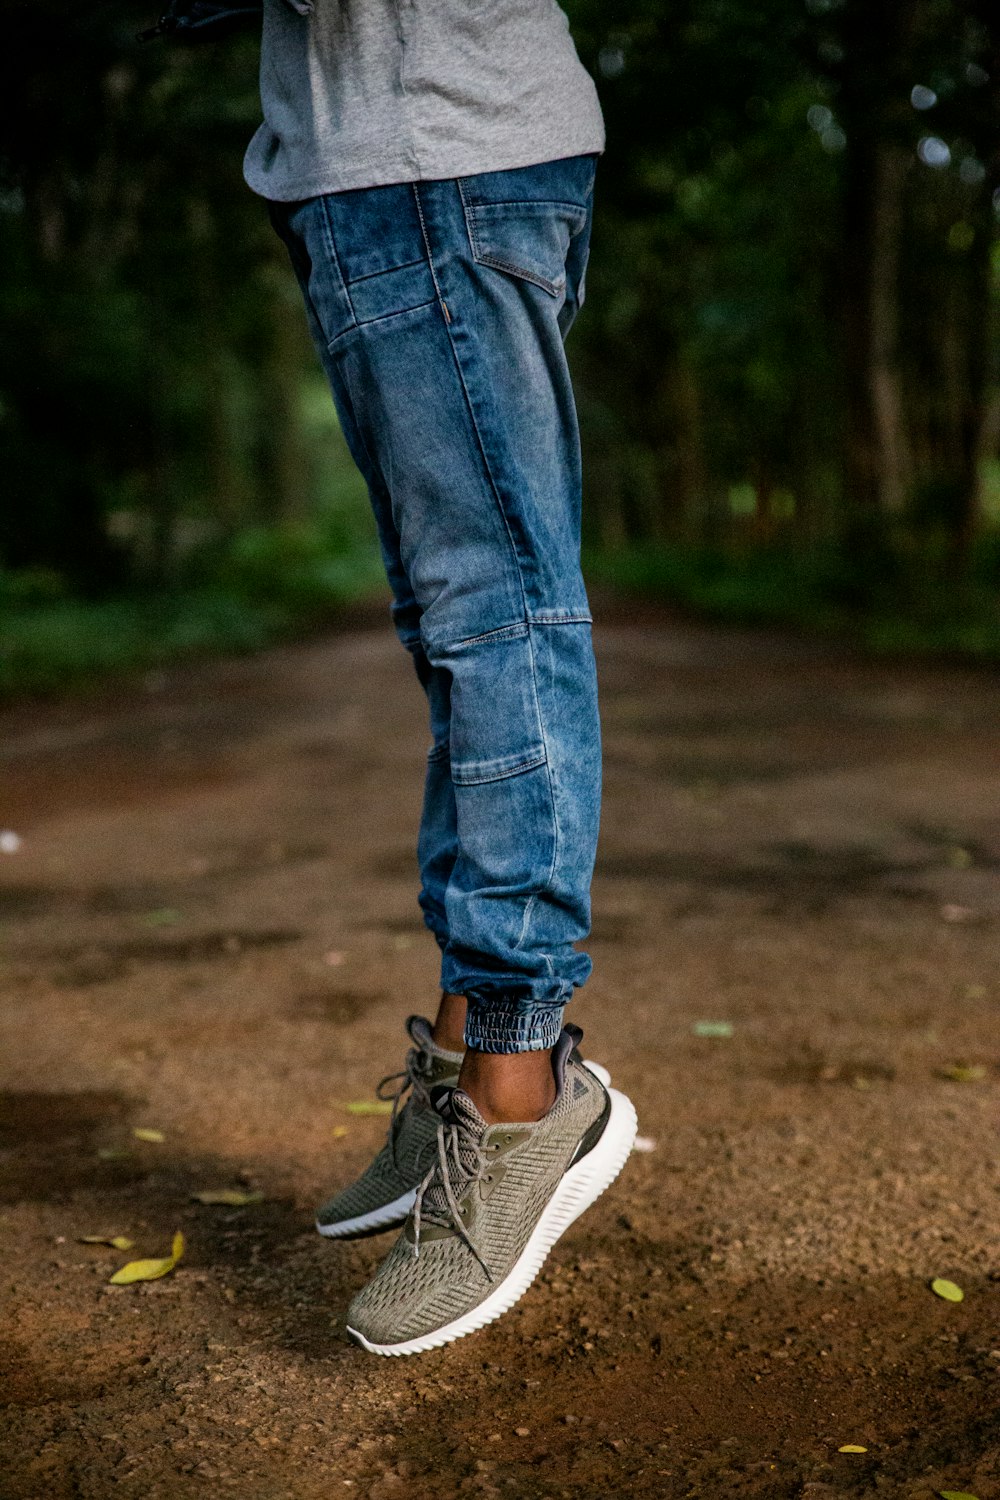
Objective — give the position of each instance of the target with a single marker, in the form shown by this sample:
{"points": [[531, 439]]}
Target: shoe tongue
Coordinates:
{"points": [[456, 1108]]}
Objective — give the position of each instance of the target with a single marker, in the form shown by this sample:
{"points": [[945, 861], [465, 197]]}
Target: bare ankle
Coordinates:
{"points": [[448, 1030], [509, 1087]]}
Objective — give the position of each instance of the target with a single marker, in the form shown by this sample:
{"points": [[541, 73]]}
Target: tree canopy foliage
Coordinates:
{"points": [[792, 298]]}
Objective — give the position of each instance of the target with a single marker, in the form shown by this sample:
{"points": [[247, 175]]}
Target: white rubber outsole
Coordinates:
{"points": [[392, 1215], [386, 1217], [579, 1188], [599, 1071]]}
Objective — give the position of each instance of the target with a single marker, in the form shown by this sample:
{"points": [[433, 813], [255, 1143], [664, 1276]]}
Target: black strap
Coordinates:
{"points": [[203, 20]]}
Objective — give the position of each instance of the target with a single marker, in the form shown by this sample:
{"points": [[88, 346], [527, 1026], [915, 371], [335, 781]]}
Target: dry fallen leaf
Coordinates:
{"points": [[369, 1107], [144, 1133], [149, 1270], [112, 1153], [116, 1241], [231, 1197], [851, 1448], [338, 1132], [947, 1289], [964, 1072]]}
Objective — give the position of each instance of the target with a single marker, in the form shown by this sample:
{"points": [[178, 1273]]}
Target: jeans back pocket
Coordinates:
{"points": [[528, 239]]}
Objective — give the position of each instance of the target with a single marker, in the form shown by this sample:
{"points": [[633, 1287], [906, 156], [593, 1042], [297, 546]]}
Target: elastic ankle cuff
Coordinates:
{"points": [[499, 1028]]}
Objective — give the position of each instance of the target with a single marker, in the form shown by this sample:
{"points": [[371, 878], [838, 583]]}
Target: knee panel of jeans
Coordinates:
{"points": [[495, 728]]}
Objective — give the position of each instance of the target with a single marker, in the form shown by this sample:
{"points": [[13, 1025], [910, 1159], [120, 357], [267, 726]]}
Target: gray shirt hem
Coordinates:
{"points": [[382, 171]]}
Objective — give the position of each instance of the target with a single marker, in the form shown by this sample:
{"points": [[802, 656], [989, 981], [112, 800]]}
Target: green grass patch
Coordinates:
{"points": [[270, 585], [888, 596]]}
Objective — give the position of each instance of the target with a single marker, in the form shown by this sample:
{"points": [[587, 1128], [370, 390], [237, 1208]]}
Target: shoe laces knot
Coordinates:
{"points": [[416, 1076], [461, 1162]]}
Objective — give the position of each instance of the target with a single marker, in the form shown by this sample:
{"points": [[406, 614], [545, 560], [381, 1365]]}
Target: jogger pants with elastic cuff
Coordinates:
{"points": [[439, 310]]}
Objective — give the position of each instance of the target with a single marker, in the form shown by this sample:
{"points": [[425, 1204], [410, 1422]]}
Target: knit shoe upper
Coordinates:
{"points": [[476, 1230], [408, 1149]]}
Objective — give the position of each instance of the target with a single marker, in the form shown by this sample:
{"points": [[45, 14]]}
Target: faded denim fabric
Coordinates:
{"points": [[439, 310]]}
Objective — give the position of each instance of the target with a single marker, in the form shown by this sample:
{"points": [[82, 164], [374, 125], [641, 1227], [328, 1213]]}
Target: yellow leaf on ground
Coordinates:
{"points": [[956, 1495], [369, 1107], [851, 1448], [149, 1270], [231, 1197], [143, 1133], [947, 1289], [964, 1072], [116, 1241], [339, 1131]]}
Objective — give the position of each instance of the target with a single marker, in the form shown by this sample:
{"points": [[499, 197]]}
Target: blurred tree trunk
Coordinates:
{"points": [[893, 468], [878, 469], [690, 477], [282, 471], [970, 341]]}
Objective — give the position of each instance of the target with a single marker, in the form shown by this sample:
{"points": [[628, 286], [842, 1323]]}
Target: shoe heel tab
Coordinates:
{"points": [[569, 1040]]}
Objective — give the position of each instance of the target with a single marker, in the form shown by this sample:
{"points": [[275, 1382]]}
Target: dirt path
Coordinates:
{"points": [[210, 930]]}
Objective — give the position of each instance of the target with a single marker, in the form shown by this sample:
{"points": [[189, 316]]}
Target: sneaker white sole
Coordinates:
{"points": [[386, 1217], [599, 1071], [581, 1186], [391, 1215]]}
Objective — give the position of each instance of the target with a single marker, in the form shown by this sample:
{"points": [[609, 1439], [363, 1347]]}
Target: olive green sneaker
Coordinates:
{"points": [[491, 1207], [383, 1195]]}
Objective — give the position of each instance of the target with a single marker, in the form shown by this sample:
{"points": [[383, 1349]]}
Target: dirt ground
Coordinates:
{"points": [[209, 930]]}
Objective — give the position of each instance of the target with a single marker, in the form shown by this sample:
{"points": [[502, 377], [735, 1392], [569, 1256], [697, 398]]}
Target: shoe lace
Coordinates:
{"points": [[416, 1076], [461, 1161]]}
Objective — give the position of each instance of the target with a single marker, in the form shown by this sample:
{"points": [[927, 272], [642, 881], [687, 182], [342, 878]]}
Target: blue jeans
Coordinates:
{"points": [[439, 311]]}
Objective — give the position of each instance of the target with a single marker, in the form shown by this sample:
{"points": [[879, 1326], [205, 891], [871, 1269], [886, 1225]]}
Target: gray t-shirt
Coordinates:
{"points": [[363, 92]]}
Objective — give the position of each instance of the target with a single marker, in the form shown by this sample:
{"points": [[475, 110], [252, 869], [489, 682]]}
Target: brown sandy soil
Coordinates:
{"points": [[210, 930]]}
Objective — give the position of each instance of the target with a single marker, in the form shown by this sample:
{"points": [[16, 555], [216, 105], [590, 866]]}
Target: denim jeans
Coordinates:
{"points": [[439, 311]]}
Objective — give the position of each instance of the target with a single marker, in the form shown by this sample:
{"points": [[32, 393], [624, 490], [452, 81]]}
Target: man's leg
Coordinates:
{"points": [[381, 1197], [437, 841], [440, 309]]}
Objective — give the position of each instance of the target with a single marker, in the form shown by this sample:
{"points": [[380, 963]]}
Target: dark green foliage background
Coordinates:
{"points": [[787, 367]]}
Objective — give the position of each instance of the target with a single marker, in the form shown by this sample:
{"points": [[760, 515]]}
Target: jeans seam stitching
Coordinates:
{"points": [[360, 323], [550, 781], [386, 271], [531, 762], [497, 263], [523, 203], [335, 258], [558, 619], [470, 227], [427, 247], [517, 631]]}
